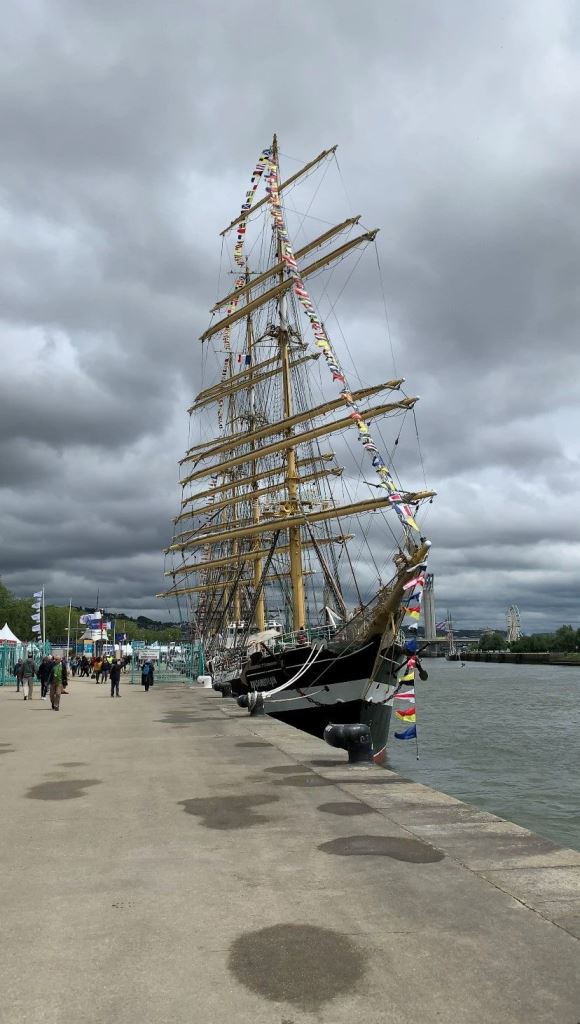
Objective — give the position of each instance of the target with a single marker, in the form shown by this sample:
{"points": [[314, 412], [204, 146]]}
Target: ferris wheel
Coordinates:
{"points": [[514, 629]]}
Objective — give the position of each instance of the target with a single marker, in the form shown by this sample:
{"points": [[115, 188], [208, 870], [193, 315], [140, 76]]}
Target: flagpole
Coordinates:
{"points": [[43, 620], [68, 629]]}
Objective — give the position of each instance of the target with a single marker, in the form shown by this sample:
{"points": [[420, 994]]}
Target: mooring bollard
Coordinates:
{"points": [[355, 738], [224, 688], [253, 701]]}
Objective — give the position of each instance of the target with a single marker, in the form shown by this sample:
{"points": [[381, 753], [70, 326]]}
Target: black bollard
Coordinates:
{"points": [[355, 738], [253, 701]]}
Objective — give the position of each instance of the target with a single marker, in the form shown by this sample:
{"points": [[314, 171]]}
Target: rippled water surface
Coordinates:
{"points": [[504, 737]]}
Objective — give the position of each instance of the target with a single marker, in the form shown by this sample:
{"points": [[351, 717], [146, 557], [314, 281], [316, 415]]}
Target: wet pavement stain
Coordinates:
{"points": [[64, 789], [229, 812], [299, 964], [251, 744], [304, 780], [346, 810], [73, 764], [412, 851], [182, 718], [326, 763], [287, 769]]}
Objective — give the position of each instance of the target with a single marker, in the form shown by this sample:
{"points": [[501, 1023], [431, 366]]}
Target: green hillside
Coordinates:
{"points": [[16, 611]]}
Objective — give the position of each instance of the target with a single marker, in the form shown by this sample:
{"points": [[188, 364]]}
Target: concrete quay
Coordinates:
{"points": [[168, 859]]}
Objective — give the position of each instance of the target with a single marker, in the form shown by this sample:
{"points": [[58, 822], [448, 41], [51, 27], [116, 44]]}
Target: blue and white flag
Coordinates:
{"points": [[90, 618], [407, 734]]}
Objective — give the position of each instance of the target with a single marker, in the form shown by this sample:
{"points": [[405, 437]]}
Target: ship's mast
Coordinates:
{"points": [[260, 612], [291, 477], [235, 595]]}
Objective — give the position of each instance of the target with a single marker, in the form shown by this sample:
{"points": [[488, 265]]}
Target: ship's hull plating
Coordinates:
{"points": [[310, 689]]}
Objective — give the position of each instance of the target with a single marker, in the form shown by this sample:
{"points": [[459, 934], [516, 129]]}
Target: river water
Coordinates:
{"points": [[503, 737]]}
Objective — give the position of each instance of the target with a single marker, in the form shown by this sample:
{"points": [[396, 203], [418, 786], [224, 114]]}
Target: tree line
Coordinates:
{"points": [[17, 611], [565, 640]]}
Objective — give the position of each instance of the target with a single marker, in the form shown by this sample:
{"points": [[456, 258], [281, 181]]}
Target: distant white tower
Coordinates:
{"points": [[429, 607], [514, 629]]}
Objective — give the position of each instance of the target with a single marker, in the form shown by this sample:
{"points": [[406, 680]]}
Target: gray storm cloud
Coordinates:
{"points": [[127, 143]]}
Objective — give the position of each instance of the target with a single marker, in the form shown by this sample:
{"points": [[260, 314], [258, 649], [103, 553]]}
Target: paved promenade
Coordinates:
{"points": [[167, 860]]}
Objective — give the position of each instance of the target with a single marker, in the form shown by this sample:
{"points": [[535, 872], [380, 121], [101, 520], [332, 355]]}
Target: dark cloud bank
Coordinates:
{"points": [[127, 141]]}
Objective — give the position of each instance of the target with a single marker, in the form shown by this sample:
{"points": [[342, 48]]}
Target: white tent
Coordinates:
{"points": [[7, 636]]}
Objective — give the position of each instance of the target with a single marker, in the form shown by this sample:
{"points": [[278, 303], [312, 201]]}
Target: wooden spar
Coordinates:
{"points": [[234, 525], [265, 474], [285, 523], [285, 184], [305, 435], [234, 441], [286, 284], [273, 271], [258, 492], [188, 568], [245, 581], [235, 384], [242, 375]]}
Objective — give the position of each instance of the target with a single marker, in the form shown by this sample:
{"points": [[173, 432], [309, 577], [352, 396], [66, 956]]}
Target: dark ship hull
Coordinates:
{"points": [[310, 688]]}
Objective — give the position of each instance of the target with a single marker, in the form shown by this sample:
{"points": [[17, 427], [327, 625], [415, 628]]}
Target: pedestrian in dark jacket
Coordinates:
{"points": [[45, 670], [147, 671], [28, 674], [85, 666], [115, 676], [18, 673]]}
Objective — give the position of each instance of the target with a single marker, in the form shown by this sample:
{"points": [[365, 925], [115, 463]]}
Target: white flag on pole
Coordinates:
{"points": [[39, 595], [36, 629], [36, 618]]}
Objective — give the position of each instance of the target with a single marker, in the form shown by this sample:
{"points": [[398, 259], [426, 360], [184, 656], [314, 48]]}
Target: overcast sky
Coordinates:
{"points": [[128, 134]]}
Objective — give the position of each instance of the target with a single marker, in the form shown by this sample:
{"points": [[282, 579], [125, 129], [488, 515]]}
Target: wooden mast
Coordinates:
{"points": [[232, 595], [294, 538], [260, 608]]}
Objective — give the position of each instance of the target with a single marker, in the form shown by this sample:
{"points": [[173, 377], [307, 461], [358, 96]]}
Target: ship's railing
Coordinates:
{"points": [[299, 637]]}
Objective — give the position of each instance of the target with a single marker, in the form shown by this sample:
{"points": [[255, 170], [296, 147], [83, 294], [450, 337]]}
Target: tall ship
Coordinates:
{"points": [[452, 652], [297, 557]]}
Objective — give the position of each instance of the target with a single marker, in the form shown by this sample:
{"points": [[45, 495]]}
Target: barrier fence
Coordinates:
{"points": [[188, 664], [10, 654]]}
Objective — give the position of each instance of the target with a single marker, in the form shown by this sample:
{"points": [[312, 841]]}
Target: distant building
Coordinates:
{"points": [[429, 607]]}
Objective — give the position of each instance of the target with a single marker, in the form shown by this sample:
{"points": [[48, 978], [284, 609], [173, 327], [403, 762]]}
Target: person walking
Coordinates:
{"points": [[147, 672], [115, 676], [44, 674], [85, 666], [28, 673], [64, 675], [97, 669], [105, 669], [18, 674], [56, 685]]}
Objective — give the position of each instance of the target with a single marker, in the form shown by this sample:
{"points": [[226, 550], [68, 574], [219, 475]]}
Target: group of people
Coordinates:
{"points": [[52, 673]]}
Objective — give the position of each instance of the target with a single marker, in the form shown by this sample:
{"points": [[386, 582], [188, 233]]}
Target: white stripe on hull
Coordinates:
{"points": [[337, 693]]}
